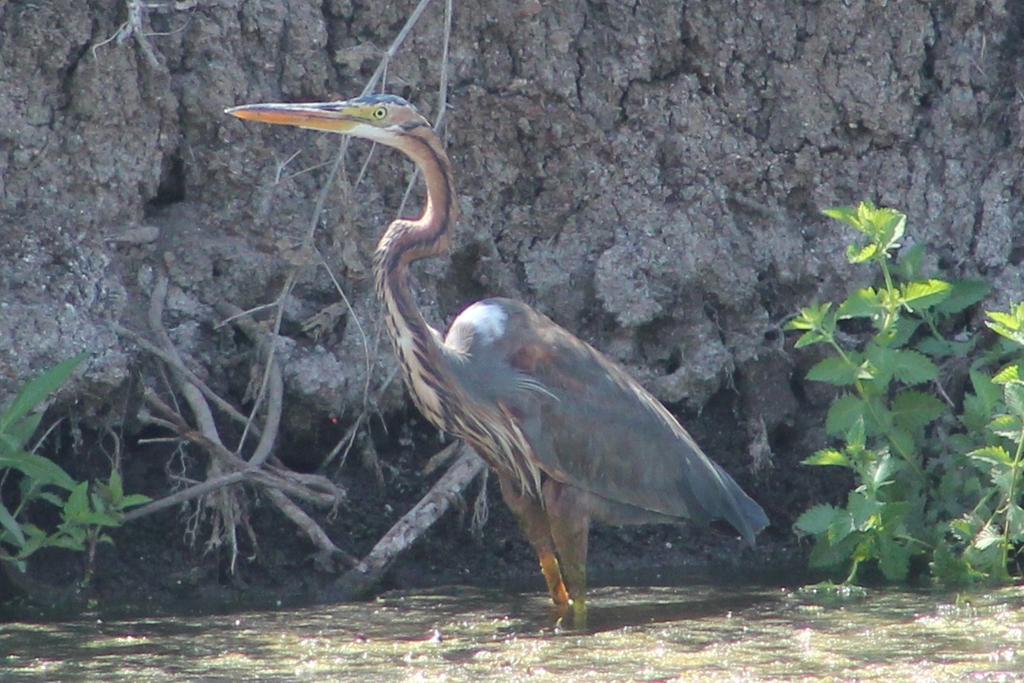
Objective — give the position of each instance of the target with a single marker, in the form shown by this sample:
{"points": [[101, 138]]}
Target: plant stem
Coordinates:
{"points": [[1011, 497], [839, 349]]}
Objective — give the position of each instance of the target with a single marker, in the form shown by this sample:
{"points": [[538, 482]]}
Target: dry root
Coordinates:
{"points": [[221, 501]]}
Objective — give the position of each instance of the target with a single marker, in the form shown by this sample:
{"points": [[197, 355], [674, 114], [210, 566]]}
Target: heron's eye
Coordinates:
{"points": [[379, 113]]}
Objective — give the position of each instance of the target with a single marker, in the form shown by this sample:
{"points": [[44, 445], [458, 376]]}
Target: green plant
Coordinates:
{"points": [[28, 479], [979, 543], [932, 480]]}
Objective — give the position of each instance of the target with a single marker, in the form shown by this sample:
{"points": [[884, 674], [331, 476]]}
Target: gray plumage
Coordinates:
{"points": [[590, 425]]}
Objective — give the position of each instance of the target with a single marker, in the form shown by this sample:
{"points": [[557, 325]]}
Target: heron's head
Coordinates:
{"points": [[381, 118]]}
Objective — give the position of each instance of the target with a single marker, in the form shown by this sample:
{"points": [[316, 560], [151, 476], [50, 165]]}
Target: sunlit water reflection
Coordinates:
{"points": [[697, 632]]}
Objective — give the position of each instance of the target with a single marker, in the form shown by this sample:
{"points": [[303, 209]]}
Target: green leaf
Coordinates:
{"points": [[963, 295], [99, 497], [43, 470], [134, 500], [863, 509], [992, 454], [816, 520], [942, 348], [818, 321], [877, 417], [9, 445], [51, 498], [1013, 394], [918, 296], [903, 443], [986, 390], [829, 457], [987, 537], [71, 541], [908, 366], [895, 512], [911, 367], [881, 359], [842, 414], [77, 503], [1011, 373], [893, 559], [915, 409], [845, 214], [18, 434], [965, 528], [864, 303], [1015, 523], [855, 254], [38, 389], [809, 338], [891, 225], [1009, 325], [975, 416], [36, 539], [1006, 319], [841, 526], [1004, 479], [837, 370], [856, 437], [899, 334], [883, 471], [809, 318], [1007, 426], [825, 555], [96, 518], [8, 522], [116, 485]]}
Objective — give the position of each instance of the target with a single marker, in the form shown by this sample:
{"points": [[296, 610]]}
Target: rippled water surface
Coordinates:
{"points": [[696, 632]]}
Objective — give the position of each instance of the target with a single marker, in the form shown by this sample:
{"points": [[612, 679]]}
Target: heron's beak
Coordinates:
{"points": [[334, 117]]}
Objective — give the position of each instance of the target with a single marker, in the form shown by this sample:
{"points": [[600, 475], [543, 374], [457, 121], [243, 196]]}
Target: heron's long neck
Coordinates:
{"points": [[417, 344]]}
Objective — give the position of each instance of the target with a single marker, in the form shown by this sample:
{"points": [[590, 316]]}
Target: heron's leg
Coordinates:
{"points": [[568, 514], [534, 524]]}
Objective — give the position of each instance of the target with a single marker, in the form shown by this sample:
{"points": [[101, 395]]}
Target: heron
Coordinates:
{"points": [[571, 436]]}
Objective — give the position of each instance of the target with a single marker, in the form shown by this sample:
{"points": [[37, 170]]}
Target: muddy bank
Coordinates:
{"points": [[648, 174]]}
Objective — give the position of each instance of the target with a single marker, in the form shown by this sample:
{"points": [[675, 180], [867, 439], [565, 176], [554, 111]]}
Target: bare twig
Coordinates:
{"points": [[176, 365], [276, 483], [227, 508], [355, 319], [330, 495], [344, 445], [200, 408], [310, 527], [135, 26], [313, 488], [274, 382], [184, 495]]}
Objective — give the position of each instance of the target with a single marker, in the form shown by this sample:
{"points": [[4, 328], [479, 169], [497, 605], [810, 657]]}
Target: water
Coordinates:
{"points": [[695, 632]]}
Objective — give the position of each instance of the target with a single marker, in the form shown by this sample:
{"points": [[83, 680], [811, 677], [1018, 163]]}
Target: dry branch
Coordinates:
{"points": [[175, 364], [310, 527], [369, 571], [275, 383], [226, 467]]}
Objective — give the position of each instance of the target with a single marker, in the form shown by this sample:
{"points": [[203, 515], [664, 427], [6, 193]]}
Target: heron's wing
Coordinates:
{"points": [[592, 426]]}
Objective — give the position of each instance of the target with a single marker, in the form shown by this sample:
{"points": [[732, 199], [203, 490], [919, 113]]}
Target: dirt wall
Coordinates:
{"points": [[647, 173]]}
